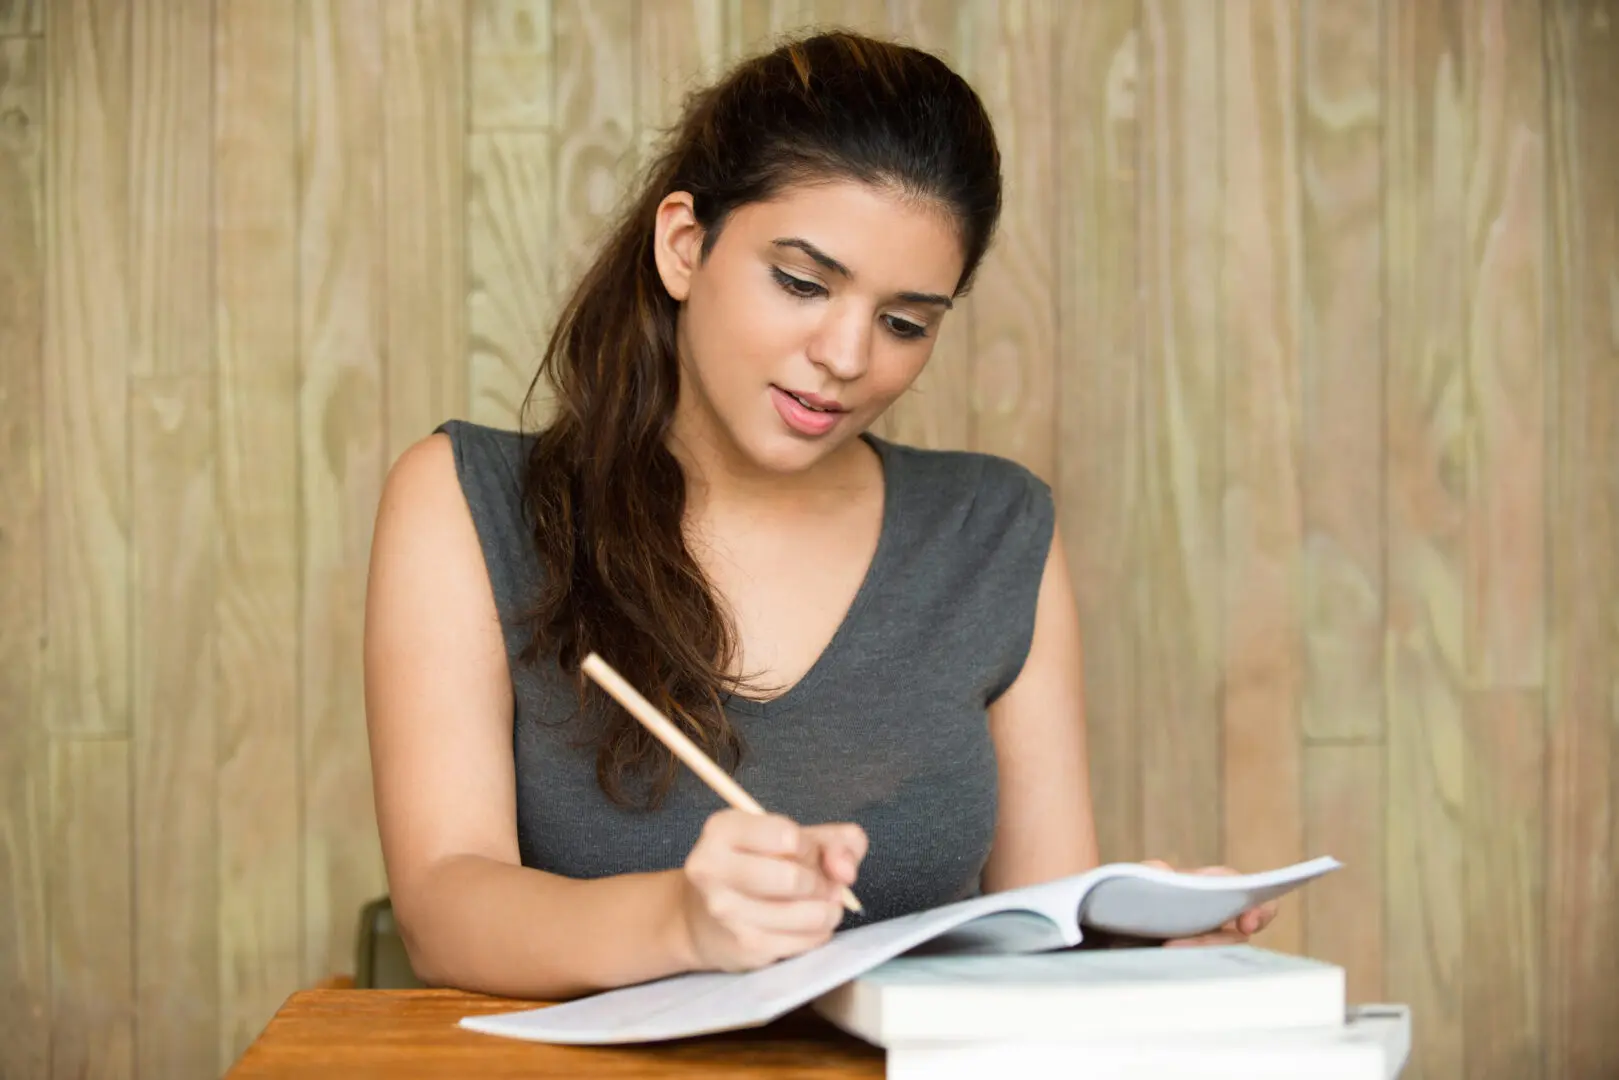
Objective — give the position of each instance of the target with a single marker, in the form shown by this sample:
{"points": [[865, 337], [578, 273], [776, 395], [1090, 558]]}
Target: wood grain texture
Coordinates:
{"points": [[87, 360], [595, 124], [757, 25], [1179, 599], [170, 186], [409, 1033], [1426, 512], [172, 745], [1504, 787], [510, 229], [1099, 451], [1343, 913], [681, 45], [424, 117], [1505, 832], [22, 17], [511, 65], [173, 528], [937, 411], [24, 809], [861, 16], [260, 857], [1341, 367], [91, 923], [1012, 310], [1503, 190], [1262, 277], [1582, 784], [341, 454]]}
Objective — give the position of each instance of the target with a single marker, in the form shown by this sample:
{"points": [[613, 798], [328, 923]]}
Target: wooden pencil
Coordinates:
{"points": [[672, 737]]}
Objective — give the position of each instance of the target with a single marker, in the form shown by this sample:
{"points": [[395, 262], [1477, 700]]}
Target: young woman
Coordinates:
{"points": [[881, 641]]}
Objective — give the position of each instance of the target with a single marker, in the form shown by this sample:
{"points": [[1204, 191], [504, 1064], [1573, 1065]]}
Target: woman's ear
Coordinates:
{"points": [[677, 243]]}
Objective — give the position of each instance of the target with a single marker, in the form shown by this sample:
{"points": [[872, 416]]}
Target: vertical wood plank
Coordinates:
{"points": [[424, 154], [937, 410], [171, 538], [174, 538], [170, 185], [596, 79], [1343, 913], [1178, 597], [682, 45], [24, 812], [92, 959], [1505, 199], [1341, 356], [1013, 305], [511, 209], [86, 367], [22, 17], [1505, 835], [261, 865], [1099, 415], [1427, 132], [1582, 921], [86, 568], [511, 65], [1341, 383], [341, 327], [510, 231], [1263, 543], [1503, 829]]}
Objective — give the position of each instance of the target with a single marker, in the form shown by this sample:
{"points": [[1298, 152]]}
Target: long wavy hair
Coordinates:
{"points": [[605, 496]]}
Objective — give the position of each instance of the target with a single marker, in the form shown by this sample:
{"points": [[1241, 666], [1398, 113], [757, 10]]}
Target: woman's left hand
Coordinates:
{"points": [[1236, 931]]}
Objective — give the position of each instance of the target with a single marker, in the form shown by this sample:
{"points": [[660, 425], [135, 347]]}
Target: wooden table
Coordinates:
{"points": [[413, 1033]]}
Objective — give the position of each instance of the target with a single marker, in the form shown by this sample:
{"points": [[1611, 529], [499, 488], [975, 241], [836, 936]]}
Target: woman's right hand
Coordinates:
{"points": [[760, 888]]}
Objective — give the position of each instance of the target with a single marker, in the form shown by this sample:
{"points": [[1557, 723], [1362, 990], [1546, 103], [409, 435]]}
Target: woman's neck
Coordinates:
{"points": [[721, 480]]}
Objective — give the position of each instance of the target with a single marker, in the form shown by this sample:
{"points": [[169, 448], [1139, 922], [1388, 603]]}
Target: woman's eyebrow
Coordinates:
{"points": [[836, 267]]}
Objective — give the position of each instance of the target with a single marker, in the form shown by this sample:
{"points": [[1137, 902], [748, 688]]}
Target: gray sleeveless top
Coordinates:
{"points": [[887, 729]]}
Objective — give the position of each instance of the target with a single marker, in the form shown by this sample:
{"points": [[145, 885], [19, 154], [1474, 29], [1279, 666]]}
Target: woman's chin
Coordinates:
{"points": [[786, 452]]}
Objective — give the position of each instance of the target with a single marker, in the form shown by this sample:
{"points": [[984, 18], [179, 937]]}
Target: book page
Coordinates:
{"points": [[1145, 901], [708, 1002]]}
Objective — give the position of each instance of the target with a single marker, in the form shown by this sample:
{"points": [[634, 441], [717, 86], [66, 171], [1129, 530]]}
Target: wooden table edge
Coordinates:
{"points": [[342, 1031]]}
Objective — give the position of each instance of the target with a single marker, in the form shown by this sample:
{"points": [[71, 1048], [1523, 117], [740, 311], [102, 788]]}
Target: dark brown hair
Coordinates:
{"points": [[605, 495]]}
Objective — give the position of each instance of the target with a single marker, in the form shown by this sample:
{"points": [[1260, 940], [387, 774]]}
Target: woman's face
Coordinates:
{"points": [[811, 315]]}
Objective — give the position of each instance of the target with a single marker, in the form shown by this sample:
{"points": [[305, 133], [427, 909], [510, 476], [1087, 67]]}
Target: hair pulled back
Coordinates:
{"points": [[604, 494]]}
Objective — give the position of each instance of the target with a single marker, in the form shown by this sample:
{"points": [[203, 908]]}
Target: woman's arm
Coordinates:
{"points": [[439, 714], [752, 890], [1045, 828]]}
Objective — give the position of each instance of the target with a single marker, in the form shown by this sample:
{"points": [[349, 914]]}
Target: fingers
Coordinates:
{"points": [[839, 850], [764, 888], [1256, 919], [772, 857], [812, 919], [1243, 926], [1217, 937]]}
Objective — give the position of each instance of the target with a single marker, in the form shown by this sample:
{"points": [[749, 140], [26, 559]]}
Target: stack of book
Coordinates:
{"points": [[1110, 1014]]}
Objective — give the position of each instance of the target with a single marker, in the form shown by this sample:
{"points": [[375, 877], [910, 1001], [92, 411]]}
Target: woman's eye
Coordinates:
{"points": [[906, 329], [794, 285]]}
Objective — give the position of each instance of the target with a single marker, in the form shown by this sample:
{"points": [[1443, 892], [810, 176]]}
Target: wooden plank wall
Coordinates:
{"points": [[1309, 310]]}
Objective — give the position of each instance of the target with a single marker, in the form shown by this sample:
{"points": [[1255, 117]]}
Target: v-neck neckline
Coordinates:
{"points": [[817, 671]]}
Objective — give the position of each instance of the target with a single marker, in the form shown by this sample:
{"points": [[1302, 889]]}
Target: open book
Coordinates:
{"points": [[1123, 898]]}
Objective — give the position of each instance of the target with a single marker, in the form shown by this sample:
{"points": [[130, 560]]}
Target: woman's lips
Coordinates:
{"points": [[801, 418]]}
